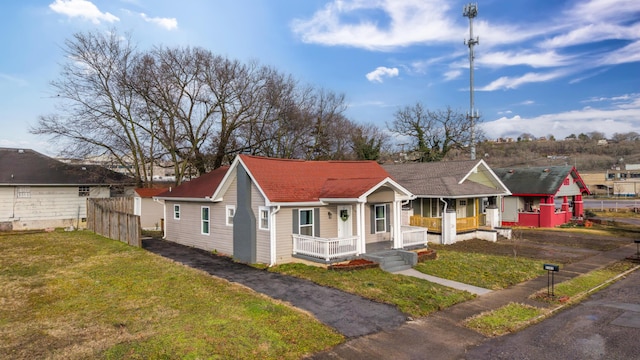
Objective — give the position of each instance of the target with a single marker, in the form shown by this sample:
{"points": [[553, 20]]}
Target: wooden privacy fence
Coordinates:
{"points": [[113, 218]]}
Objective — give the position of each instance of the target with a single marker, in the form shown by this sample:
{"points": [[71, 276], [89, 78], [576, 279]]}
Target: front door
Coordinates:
{"points": [[345, 222], [461, 208]]}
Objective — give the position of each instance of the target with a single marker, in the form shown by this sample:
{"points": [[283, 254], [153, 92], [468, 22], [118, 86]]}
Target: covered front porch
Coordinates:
{"points": [[544, 211], [463, 224], [329, 250]]}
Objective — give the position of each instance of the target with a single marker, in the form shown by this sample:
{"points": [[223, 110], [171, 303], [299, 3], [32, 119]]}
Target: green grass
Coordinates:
{"points": [[509, 318], [78, 295], [576, 288], [412, 296], [483, 270], [513, 317]]}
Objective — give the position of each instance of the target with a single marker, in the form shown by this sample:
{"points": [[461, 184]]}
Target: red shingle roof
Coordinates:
{"points": [[148, 193], [286, 180], [199, 187]]}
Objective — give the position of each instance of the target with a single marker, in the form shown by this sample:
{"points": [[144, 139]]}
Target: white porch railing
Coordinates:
{"points": [[413, 235], [323, 248]]}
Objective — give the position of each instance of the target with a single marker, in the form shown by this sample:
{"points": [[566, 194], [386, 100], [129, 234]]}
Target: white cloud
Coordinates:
{"points": [[405, 23], [451, 75], [527, 57], [627, 54], [590, 33], [83, 9], [507, 82], [620, 118], [381, 72], [167, 23], [604, 10]]}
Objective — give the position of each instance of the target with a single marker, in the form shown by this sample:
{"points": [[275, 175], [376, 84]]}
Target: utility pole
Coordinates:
{"points": [[471, 11]]}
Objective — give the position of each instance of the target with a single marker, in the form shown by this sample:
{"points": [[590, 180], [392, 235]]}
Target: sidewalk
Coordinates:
{"points": [[441, 335], [450, 283]]}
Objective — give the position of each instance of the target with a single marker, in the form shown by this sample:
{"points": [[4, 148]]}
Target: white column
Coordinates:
{"points": [[493, 217], [360, 246], [396, 228], [449, 227]]}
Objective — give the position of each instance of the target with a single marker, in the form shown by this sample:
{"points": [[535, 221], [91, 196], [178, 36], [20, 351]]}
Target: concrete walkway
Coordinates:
{"points": [[450, 283], [442, 335]]}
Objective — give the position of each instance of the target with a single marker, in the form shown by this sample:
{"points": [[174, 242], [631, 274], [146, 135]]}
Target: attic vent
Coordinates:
{"points": [[20, 151]]}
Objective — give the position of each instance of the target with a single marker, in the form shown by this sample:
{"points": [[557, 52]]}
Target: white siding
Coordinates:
{"points": [[568, 190], [47, 206], [187, 229], [511, 206], [284, 239], [152, 212]]}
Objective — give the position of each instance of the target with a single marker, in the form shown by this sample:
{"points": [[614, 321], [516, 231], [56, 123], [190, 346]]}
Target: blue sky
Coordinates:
{"points": [[542, 67]]}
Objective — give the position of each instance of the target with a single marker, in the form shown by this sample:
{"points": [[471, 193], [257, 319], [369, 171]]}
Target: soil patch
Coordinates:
{"points": [[551, 245], [356, 264]]}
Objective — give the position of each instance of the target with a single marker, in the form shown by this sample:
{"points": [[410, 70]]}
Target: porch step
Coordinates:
{"points": [[394, 260]]}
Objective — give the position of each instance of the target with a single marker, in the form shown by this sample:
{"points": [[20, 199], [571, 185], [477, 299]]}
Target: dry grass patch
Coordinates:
{"points": [[78, 295]]}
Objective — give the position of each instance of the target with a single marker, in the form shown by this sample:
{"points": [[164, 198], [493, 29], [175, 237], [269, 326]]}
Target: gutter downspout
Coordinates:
{"points": [[272, 236]]}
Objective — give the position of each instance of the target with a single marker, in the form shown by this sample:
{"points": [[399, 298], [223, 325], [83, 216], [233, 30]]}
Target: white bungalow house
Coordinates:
{"points": [[38, 192], [264, 210]]}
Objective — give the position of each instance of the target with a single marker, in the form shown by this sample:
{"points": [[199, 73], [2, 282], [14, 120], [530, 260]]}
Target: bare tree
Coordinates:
{"points": [[434, 133], [101, 111]]}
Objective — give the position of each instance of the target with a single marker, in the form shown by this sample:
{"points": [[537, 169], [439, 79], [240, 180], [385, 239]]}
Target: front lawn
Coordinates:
{"points": [[483, 270], [75, 295], [412, 296]]}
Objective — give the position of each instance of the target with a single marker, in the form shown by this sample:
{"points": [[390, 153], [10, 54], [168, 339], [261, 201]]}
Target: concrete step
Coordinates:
{"points": [[398, 268], [393, 263]]}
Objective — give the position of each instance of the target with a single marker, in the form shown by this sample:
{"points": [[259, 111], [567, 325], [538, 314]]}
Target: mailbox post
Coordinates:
{"points": [[551, 270]]}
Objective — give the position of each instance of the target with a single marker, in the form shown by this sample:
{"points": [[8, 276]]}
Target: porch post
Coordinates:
{"points": [[578, 206], [547, 208], [396, 228], [360, 244]]}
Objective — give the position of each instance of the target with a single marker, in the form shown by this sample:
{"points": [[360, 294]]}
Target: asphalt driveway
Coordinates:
{"points": [[349, 314]]}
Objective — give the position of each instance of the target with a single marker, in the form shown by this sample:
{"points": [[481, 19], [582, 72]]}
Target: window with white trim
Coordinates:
{"points": [[24, 192], [231, 212], [205, 220], [263, 214], [381, 218], [84, 191], [176, 211], [306, 222]]}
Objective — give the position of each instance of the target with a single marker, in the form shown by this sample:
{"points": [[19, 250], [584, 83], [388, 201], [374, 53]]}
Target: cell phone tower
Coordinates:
{"points": [[471, 11]]}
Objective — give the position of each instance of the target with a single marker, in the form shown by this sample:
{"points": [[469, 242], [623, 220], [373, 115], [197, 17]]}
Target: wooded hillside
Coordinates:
{"points": [[586, 155]]}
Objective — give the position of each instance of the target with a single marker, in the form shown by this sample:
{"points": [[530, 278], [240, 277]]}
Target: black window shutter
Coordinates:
{"points": [[295, 221], [387, 214], [373, 219], [316, 222]]}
